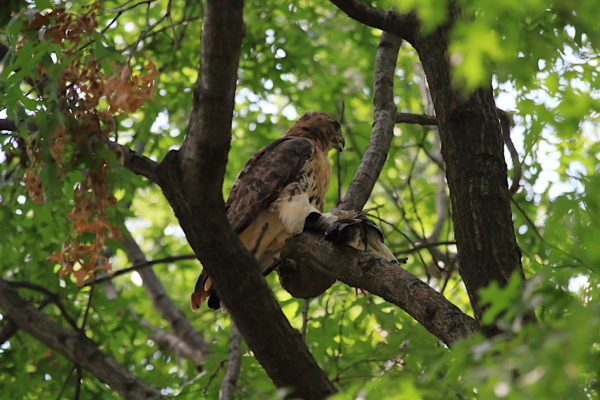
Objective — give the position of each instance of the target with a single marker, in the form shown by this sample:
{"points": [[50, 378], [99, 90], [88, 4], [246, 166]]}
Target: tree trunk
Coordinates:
{"points": [[472, 149]]}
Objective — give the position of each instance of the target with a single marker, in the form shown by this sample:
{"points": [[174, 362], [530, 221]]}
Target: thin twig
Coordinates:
{"points": [[127, 8], [78, 379], [64, 385], [539, 235], [505, 123], [338, 352], [140, 266], [170, 17], [425, 245], [87, 310]]}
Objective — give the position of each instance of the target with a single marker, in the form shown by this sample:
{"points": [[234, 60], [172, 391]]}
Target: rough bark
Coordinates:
{"points": [[73, 345], [192, 178], [472, 150], [377, 276]]}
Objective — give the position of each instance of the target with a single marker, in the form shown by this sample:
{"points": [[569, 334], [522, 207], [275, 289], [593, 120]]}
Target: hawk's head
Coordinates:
{"points": [[321, 128]]}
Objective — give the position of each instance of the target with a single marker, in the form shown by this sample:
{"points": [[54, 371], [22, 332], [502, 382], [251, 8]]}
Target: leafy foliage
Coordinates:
{"points": [[76, 76]]}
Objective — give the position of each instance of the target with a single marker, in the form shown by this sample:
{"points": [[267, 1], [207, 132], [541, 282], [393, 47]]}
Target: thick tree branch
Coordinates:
{"points": [[403, 25], [136, 163], [73, 345], [8, 125], [362, 270], [192, 179], [383, 126], [9, 328], [179, 324]]}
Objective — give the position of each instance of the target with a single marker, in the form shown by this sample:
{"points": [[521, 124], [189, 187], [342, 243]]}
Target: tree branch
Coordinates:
{"points": [[403, 25], [166, 341], [383, 126], [73, 345], [375, 275], [505, 123], [192, 179], [419, 119], [172, 343], [179, 324], [8, 125], [51, 296], [3, 50], [233, 364], [136, 163], [131, 160], [140, 266]]}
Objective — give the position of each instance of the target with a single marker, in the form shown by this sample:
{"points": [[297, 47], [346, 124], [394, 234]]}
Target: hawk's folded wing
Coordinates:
{"points": [[257, 186]]}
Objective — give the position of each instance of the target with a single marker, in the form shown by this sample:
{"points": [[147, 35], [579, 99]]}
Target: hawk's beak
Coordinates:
{"points": [[340, 143]]}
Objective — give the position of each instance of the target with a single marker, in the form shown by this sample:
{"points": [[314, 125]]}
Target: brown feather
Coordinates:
{"points": [[276, 190]]}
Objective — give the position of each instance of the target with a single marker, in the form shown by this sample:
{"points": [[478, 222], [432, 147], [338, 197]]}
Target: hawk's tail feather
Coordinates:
{"points": [[202, 290]]}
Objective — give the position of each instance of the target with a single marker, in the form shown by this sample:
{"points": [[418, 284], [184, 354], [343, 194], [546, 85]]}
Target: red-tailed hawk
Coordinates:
{"points": [[277, 189]]}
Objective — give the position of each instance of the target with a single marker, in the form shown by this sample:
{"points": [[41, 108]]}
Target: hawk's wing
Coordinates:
{"points": [[260, 183], [263, 178]]}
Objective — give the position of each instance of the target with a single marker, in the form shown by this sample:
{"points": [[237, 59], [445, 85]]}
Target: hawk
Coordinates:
{"points": [[276, 190]]}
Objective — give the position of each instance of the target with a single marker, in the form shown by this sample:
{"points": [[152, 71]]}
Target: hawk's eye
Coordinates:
{"points": [[336, 126]]}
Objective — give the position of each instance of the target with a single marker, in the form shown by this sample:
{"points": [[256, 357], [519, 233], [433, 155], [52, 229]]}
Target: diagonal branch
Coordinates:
{"points": [[172, 343], [140, 266], [192, 179], [505, 123], [134, 162], [166, 341], [383, 126], [74, 346], [403, 25], [180, 326], [396, 285]]}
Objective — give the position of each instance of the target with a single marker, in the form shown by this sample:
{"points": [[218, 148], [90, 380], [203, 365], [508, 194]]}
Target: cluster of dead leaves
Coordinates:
{"points": [[64, 28], [81, 132], [92, 198]]}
